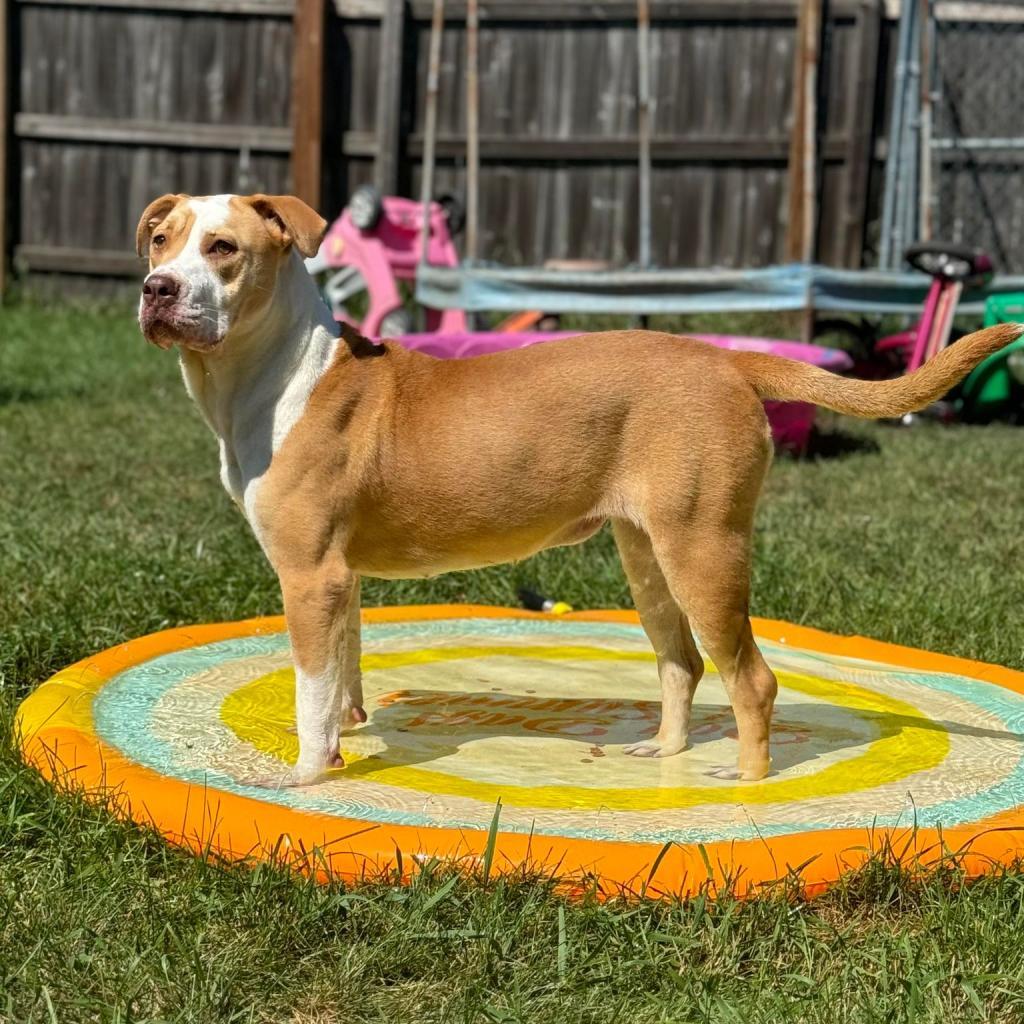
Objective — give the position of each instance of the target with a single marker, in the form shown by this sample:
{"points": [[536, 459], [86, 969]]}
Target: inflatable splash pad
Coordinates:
{"points": [[489, 723]]}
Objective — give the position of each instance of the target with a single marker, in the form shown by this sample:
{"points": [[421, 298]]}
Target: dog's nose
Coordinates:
{"points": [[161, 290]]}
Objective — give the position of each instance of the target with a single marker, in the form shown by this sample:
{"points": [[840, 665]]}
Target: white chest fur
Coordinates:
{"points": [[251, 395]]}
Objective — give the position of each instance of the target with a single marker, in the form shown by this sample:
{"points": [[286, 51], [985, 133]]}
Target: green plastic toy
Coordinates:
{"points": [[994, 388]]}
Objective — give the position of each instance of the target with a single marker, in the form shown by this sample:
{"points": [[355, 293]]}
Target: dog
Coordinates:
{"points": [[350, 458]]}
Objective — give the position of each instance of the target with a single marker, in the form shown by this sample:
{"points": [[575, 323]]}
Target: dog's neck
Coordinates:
{"points": [[254, 388]]}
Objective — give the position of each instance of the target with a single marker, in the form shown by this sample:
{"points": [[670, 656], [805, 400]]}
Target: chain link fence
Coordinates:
{"points": [[972, 141]]}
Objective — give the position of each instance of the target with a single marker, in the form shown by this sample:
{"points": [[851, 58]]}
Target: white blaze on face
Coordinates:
{"points": [[203, 300]]}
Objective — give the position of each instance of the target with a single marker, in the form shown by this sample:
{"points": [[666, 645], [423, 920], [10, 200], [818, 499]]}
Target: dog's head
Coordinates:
{"points": [[214, 262]]}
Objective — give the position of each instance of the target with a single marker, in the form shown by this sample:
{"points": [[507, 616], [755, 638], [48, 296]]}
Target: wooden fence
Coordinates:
{"points": [[117, 101]]}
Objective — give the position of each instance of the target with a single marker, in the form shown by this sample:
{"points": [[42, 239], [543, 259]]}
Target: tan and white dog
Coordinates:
{"points": [[350, 459]]}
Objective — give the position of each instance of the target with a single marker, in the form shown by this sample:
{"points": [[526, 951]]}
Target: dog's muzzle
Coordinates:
{"points": [[164, 312]]}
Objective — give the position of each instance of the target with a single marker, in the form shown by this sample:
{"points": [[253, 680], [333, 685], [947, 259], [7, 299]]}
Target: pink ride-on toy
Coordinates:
{"points": [[951, 267], [374, 245]]}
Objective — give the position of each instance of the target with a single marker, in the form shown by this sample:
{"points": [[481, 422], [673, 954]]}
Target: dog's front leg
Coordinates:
{"points": [[318, 606]]}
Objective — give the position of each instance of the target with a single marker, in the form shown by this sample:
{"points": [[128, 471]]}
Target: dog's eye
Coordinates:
{"points": [[158, 240], [223, 248]]}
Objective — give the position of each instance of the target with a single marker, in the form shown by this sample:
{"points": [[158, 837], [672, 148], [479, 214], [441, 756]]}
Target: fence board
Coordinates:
{"points": [[307, 101], [221, 7], [180, 134], [600, 10], [389, 96]]}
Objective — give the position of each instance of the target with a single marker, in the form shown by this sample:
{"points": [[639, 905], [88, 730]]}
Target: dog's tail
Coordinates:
{"points": [[792, 381]]}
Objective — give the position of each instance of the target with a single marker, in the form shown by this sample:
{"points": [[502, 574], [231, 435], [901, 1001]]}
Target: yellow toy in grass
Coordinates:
{"points": [[535, 602]]}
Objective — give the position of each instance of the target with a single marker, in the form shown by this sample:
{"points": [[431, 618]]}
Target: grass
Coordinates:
{"points": [[113, 524]]}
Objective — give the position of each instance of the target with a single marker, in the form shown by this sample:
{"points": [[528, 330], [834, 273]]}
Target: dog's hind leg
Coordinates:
{"points": [[708, 572], [348, 697], [680, 665], [350, 694]]}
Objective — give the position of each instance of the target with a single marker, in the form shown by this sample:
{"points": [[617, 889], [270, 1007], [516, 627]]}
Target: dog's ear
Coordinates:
{"points": [[151, 216], [291, 221]]}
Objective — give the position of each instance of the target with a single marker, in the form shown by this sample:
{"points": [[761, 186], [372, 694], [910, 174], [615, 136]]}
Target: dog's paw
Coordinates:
{"points": [[731, 773], [277, 781], [654, 748], [351, 717], [293, 778]]}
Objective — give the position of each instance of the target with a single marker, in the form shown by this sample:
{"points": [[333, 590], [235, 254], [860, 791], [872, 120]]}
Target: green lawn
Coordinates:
{"points": [[113, 524]]}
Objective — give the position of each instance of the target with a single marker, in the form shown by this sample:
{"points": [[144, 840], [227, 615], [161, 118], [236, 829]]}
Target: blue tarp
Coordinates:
{"points": [[792, 286]]}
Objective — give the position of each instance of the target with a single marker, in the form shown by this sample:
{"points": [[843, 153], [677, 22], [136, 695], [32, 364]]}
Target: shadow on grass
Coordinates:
{"points": [[837, 444], [29, 396]]}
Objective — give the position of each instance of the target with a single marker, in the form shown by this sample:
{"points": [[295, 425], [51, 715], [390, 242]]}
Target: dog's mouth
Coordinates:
{"points": [[172, 325]]}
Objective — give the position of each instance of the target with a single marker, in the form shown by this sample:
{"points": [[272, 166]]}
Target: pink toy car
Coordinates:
{"points": [[373, 245]]}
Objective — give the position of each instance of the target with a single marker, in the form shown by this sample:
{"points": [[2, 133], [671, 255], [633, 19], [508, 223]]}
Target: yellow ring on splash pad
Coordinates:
{"points": [[920, 738], [897, 754]]}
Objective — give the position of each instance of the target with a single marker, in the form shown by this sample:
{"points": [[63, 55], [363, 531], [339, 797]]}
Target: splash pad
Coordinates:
{"points": [[469, 706]]}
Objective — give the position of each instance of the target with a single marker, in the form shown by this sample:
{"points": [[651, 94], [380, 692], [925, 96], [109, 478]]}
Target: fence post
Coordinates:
{"points": [[801, 232], [803, 156], [307, 100], [389, 96]]}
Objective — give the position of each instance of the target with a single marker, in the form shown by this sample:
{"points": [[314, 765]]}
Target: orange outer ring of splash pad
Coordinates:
{"points": [[241, 828]]}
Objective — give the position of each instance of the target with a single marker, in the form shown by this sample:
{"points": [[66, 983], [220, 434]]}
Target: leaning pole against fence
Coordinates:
{"points": [[430, 124]]}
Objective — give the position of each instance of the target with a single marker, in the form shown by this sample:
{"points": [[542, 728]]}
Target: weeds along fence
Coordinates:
{"points": [[113, 102]]}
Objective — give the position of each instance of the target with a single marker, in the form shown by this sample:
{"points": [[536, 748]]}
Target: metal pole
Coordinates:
{"points": [[991, 142], [928, 77], [892, 161], [472, 129], [430, 124], [823, 57], [905, 224], [643, 115], [812, 43]]}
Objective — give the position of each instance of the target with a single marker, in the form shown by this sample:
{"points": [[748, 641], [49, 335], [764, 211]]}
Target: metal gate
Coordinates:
{"points": [[956, 135]]}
